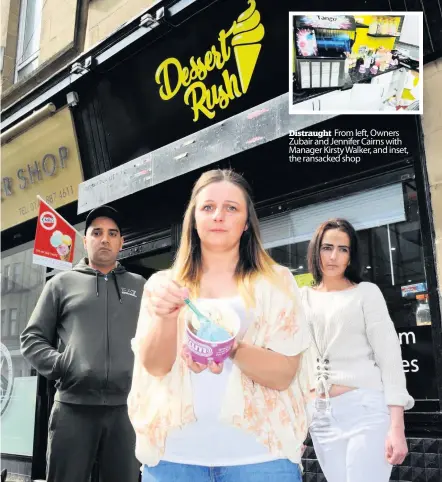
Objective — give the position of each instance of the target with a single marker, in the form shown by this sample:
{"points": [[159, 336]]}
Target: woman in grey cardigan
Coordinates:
{"points": [[357, 417]]}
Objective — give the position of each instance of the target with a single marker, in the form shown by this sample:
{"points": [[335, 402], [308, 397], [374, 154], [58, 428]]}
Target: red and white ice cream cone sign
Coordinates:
{"points": [[54, 239]]}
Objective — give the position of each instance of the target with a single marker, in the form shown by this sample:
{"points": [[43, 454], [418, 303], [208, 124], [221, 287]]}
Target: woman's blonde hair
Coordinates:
{"points": [[253, 259]]}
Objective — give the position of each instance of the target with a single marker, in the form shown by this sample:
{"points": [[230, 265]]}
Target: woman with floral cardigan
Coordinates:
{"points": [[245, 419]]}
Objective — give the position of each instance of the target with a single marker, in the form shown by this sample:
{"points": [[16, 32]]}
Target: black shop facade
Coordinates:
{"points": [[176, 93]]}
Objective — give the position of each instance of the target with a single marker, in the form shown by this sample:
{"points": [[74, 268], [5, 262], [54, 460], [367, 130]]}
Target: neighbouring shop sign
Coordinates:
{"points": [[42, 161], [242, 40]]}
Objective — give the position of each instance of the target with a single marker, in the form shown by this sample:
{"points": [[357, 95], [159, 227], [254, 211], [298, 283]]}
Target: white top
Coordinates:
{"points": [[355, 343], [208, 441]]}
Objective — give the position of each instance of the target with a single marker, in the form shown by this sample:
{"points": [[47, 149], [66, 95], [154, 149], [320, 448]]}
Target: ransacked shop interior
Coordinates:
{"points": [[371, 58]]}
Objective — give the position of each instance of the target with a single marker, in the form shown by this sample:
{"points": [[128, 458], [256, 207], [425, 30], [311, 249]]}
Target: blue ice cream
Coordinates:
{"points": [[212, 332]]}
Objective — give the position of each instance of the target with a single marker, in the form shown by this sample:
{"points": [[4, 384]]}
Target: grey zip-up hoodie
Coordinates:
{"points": [[91, 318]]}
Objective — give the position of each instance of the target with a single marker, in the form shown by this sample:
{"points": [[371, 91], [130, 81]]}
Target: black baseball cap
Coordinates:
{"points": [[103, 212]]}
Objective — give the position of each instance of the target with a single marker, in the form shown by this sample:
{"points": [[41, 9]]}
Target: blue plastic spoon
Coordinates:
{"points": [[202, 319], [208, 330]]}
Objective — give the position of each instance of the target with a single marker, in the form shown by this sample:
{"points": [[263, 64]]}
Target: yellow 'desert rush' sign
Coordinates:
{"points": [[44, 161], [243, 39]]}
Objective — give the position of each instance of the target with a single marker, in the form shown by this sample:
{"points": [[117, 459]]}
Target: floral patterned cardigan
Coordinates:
{"points": [[278, 419]]}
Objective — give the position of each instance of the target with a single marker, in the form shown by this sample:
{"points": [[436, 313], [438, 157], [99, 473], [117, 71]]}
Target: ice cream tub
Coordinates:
{"points": [[204, 351]]}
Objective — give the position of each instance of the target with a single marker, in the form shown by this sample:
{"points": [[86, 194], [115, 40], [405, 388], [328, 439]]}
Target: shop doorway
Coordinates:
{"points": [[149, 264]]}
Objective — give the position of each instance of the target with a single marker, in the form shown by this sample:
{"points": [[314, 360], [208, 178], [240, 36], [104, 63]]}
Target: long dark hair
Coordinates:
{"points": [[353, 271]]}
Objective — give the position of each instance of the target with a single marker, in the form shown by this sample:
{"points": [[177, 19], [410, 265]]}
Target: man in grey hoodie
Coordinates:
{"points": [[79, 334]]}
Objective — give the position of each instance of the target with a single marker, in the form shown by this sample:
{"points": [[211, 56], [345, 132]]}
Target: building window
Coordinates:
{"points": [[13, 327], [6, 278], [12, 277], [28, 38], [4, 325], [16, 276], [18, 416]]}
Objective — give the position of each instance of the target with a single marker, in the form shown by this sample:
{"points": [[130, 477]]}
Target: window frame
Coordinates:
{"points": [[16, 273], [6, 284], [19, 66], [4, 323], [12, 333]]}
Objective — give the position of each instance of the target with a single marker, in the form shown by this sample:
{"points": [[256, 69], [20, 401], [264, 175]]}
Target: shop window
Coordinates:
{"points": [[19, 381], [387, 222], [365, 210], [388, 226], [28, 38]]}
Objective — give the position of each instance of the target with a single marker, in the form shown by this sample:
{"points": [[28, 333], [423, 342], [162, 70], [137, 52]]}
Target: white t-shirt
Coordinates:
{"points": [[209, 442]]}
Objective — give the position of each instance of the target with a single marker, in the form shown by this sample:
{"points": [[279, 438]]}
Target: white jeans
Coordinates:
{"points": [[349, 437]]}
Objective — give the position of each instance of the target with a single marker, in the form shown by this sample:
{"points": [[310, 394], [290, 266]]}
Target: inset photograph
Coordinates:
{"points": [[360, 63]]}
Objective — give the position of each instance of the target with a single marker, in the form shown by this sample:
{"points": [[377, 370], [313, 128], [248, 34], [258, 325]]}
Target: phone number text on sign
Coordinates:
{"points": [[51, 198]]}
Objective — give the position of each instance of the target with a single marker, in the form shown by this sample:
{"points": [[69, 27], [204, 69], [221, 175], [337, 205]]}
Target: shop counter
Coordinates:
{"points": [[361, 91]]}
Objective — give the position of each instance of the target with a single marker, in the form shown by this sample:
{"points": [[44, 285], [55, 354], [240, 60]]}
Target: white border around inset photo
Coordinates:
{"points": [[313, 104]]}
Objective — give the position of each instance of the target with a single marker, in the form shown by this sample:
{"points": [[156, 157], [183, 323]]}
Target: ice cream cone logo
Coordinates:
{"points": [[248, 32], [62, 244], [243, 38]]}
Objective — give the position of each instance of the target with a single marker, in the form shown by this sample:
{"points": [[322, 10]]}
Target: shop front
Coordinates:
{"points": [[190, 95], [164, 125], [384, 198], [43, 160]]}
